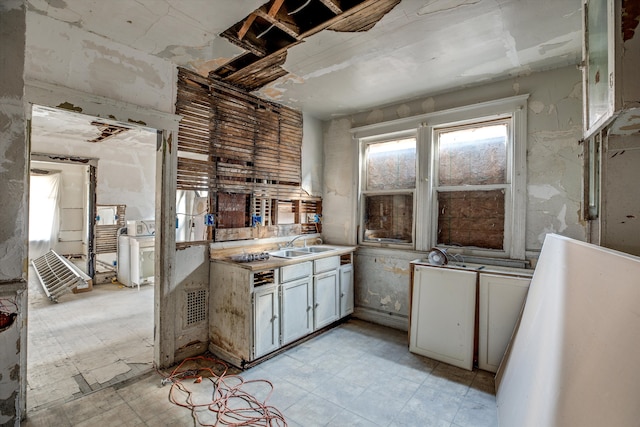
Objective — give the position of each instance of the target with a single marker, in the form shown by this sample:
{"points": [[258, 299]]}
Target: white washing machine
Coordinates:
{"points": [[136, 260]]}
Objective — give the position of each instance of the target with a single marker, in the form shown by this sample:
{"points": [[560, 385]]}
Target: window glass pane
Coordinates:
{"points": [[388, 218], [391, 165], [473, 156], [471, 218]]}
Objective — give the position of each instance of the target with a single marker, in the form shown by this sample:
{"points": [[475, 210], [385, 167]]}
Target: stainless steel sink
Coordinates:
{"points": [[317, 249], [289, 253], [300, 252]]}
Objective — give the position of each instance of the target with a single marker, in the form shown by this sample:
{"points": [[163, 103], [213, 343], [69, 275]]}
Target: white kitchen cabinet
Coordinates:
{"points": [[266, 312], [501, 301], [346, 289], [325, 299], [297, 309], [257, 308], [443, 315]]}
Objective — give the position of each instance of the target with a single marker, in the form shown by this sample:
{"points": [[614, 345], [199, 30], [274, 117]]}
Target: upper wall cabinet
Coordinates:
{"points": [[611, 57]]}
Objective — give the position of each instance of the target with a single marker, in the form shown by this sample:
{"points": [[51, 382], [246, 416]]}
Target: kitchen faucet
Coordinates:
{"points": [[289, 244]]}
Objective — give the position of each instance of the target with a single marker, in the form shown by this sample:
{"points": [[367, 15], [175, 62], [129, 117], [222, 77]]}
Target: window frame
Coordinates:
{"points": [[425, 214], [507, 186], [363, 192]]}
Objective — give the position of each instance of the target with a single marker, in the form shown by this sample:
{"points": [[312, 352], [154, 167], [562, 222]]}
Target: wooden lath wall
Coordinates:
{"points": [[107, 235], [230, 142], [238, 142]]}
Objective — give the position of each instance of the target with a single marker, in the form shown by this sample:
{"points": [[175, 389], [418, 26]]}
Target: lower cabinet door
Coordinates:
{"points": [[346, 289], [443, 315], [325, 299], [266, 311], [297, 310], [501, 300]]}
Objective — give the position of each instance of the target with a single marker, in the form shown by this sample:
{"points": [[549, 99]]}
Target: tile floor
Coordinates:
{"points": [[86, 341], [357, 374]]}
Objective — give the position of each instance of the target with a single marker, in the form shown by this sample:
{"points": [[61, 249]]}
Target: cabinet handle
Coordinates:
{"points": [[309, 308], [317, 305], [341, 295], [274, 318]]}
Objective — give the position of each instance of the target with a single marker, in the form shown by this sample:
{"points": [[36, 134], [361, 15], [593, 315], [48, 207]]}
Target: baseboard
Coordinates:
{"points": [[382, 318]]}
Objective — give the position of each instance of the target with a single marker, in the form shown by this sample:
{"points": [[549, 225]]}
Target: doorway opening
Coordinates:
{"points": [[82, 168]]}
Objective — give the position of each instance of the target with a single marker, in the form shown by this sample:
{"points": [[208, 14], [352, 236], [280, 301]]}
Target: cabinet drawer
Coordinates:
{"points": [[326, 264], [295, 271]]}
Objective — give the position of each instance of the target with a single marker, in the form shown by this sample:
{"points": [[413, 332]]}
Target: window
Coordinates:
{"points": [[472, 184], [454, 179], [388, 191]]}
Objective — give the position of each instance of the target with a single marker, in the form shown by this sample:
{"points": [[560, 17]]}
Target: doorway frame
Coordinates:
{"points": [[166, 126], [92, 165]]}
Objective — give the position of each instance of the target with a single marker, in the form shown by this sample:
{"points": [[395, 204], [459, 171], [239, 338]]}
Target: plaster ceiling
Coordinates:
{"points": [[52, 125], [420, 48]]}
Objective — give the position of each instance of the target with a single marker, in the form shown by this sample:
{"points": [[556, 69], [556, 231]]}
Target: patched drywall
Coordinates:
{"points": [[62, 54]]}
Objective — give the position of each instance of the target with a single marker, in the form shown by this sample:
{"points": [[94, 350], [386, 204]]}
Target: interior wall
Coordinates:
{"points": [[13, 221], [193, 276], [63, 54], [554, 177], [620, 210]]}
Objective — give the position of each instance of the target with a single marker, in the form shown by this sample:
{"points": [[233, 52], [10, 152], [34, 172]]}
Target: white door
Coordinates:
{"points": [[325, 299], [266, 309], [443, 315], [501, 300], [297, 310], [346, 289]]}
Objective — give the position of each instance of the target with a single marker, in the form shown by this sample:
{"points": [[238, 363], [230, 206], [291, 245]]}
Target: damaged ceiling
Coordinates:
{"points": [[335, 57]]}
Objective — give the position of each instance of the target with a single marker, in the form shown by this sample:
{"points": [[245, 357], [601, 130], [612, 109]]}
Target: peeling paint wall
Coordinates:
{"points": [[63, 54], [13, 227], [554, 173]]}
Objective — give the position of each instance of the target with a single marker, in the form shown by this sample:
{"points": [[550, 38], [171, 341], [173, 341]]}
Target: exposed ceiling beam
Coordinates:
{"points": [[275, 7], [282, 21], [333, 6], [246, 25]]}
